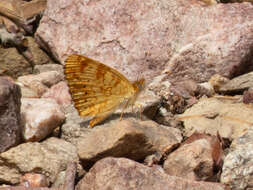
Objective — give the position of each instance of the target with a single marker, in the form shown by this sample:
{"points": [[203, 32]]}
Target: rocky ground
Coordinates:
{"points": [[195, 126]]}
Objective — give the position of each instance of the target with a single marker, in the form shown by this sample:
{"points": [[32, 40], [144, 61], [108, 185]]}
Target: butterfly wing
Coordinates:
{"points": [[96, 89]]}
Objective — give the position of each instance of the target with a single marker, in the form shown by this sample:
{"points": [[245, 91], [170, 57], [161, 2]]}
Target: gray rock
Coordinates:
{"points": [[10, 123], [237, 170]]}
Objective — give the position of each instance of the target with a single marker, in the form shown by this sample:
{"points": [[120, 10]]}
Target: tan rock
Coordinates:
{"points": [[238, 84], [40, 117], [19, 66], [16, 65], [223, 114], [127, 138], [39, 83], [48, 158], [46, 78], [48, 67], [125, 174]]}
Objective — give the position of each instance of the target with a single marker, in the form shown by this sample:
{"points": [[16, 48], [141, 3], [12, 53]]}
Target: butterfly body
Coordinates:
{"points": [[96, 89]]}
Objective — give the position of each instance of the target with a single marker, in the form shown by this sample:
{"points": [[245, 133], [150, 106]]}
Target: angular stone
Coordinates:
{"points": [[10, 123], [40, 117], [125, 174], [238, 84], [131, 139], [39, 83], [46, 78], [237, 169], [19, 65], [223, 114], [15, 65], [49, 158], [195, 160]]}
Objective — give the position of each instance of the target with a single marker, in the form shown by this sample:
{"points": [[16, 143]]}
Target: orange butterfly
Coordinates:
{"points": [[96, 89]]}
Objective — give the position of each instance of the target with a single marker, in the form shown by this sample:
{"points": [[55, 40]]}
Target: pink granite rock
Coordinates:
{"points": [[188, 39], [40, 117], [60, 93]]}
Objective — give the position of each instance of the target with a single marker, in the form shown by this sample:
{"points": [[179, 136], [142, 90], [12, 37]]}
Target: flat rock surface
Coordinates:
{"points": [[222, 114]]}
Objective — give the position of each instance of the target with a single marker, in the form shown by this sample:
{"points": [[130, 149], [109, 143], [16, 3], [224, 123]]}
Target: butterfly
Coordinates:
{"points": [[97, 89]]}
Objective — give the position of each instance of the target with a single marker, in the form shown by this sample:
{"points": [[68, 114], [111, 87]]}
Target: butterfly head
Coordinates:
{"points": [[139, 84]]}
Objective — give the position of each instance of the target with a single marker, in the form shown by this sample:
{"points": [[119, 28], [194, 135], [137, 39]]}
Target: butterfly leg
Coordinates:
{"points": [[140, 110], [123, 109]]}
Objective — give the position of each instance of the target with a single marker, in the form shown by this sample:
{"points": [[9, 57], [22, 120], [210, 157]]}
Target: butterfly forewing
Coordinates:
{"points": [[96, 89]]}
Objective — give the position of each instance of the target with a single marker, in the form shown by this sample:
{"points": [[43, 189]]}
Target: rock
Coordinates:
{"points": [[38, 90], [40, 117], [60, 93], [147, 38], [47, 78], [48, 158], [33, 89], [16, 65], [131, 139], [39, 57], [223, 114], [248, 96], [19, 65], [196, 159], [217, 81], [48, 67], [146, 104], [10, 123], [34, 180], [39, 83], [238, 84], [73, 126], [237, 169], [125, 174]]}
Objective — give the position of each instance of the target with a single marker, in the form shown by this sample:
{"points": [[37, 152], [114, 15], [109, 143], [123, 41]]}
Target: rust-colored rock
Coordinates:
{"points": [[199, 158]]}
